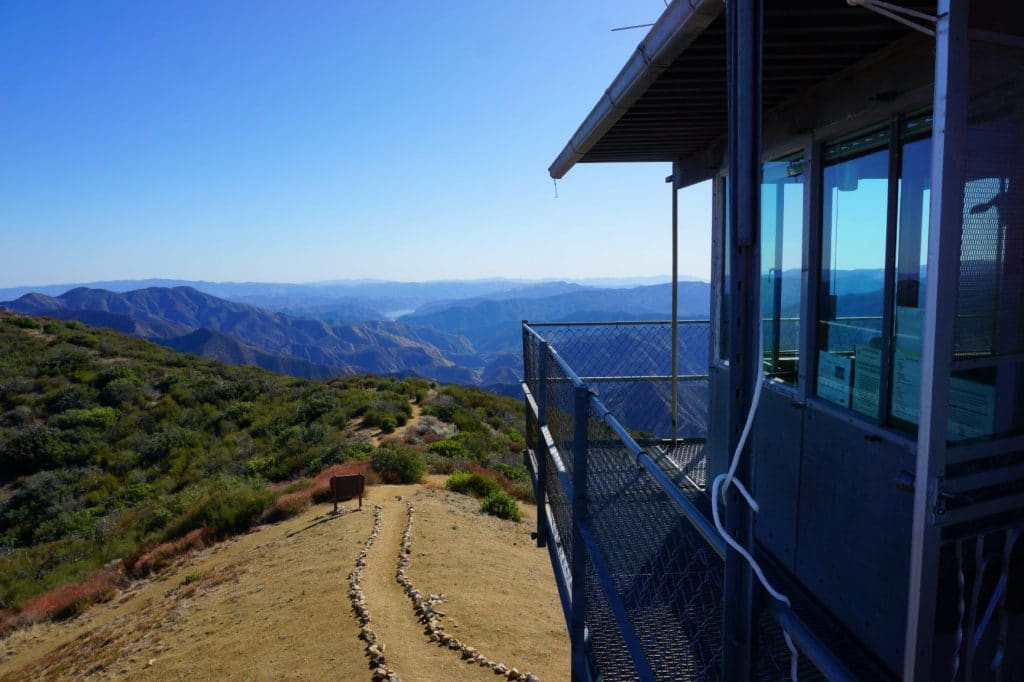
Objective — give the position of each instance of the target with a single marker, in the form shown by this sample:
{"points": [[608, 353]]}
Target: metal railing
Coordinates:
{"points": [[628, 365], [638, 565]]}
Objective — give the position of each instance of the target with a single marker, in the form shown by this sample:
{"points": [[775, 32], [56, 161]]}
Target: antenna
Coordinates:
{"points": [[626, 28]]}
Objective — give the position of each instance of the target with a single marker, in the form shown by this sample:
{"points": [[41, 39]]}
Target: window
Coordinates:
{"points": [[850, 322], [911, 265], [723, 299], [874, 265], [782, 209]]}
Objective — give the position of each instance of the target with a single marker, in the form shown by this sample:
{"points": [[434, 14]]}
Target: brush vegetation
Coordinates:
{"points": [[112, 448]]}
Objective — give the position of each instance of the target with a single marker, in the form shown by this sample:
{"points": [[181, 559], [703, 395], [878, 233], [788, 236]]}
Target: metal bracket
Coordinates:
{"points": [[898, 14]]}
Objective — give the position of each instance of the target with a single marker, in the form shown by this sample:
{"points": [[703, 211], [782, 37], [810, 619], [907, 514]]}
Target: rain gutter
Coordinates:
{"points": [[681, 23]]}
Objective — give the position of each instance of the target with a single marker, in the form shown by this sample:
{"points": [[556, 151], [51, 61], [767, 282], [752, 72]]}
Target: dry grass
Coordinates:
{"points": [[153, 559], [271, 604], [68, 600]]}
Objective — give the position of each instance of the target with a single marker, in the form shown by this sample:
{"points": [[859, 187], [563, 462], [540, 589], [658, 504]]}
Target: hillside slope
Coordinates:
{"points": [[273, 604], [111, 446]]}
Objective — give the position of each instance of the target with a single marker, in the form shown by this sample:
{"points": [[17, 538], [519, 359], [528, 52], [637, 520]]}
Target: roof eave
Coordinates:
{"points": [[674, 31]]}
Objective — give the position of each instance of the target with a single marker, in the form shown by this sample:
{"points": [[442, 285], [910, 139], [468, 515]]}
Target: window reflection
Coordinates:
{"points": [[854, 212], [911, 266], [782, 202]]}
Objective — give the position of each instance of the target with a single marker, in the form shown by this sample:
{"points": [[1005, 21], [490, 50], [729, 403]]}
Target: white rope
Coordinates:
{"points": [[723, 481]]}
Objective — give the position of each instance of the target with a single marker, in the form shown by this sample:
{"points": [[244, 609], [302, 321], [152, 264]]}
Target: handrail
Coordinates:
{"points": [[689, 510], [611, 323], [812, 647]]}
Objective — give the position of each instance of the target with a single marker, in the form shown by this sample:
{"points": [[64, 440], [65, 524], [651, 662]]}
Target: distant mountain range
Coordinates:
{"points": [[192, 321], [473, 340], [464, 332], [343, 300], [486, 323]]}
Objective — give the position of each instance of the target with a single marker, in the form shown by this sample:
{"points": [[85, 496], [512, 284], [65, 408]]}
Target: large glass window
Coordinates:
{"points": [[911, 266], [723, 300], [782, 203], [850, 322]]}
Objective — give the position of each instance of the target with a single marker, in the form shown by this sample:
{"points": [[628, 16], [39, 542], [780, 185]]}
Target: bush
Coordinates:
{"points": [[512, 473], [69, 600], [288, 505], [230, 505], [398, 464], [388, 424], [450, 448], [154, 558], [501, 505], [96, 417], [472, 483], [437, 464]]}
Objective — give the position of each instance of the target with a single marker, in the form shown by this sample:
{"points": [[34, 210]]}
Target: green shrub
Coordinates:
{"points": [[472, 483], [228, 505], [357, 450], [450, 448], [398, 464], [437, 464], [512, 473], [24, 322], [94, 417], [501, 505], [388, 424]]}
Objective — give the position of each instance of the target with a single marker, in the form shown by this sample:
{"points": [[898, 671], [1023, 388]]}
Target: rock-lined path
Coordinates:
{"points": [[424, 606], [409, 652], [274, 603]]}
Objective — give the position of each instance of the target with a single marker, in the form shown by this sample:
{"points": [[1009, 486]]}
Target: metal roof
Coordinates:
{"points": [[669, 100]]}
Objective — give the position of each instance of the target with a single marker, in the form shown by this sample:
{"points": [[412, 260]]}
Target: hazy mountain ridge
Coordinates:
{"points": [[492, 326], [470, 341], [261, 337]]}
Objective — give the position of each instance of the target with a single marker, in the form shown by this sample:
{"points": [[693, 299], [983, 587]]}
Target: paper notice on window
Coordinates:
{"points": [[834, 378], [906, 365], [909, 325], [867, 379], [972, 409], [906, 385]]}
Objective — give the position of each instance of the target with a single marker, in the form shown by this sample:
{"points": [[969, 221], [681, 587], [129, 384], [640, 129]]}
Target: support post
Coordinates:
{"points": [[949, 141], [542, 456], [675, 312], [577, 629], [744, 31]]}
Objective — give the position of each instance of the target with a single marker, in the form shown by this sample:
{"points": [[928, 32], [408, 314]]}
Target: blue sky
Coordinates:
{"points": [[306, 141]]}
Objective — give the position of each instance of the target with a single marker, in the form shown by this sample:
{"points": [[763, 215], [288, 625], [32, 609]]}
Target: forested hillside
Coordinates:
{"points": [[113, 448]]}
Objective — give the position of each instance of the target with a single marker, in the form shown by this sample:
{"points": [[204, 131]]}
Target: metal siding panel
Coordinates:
{"points": [[718, 435], [776, 452], [853, 526]]}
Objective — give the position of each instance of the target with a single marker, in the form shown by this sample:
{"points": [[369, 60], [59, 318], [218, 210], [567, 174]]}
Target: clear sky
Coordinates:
{"points": [[302, 141]]}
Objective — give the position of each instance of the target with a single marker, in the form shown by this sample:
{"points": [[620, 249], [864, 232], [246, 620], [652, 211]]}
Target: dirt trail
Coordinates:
{"points": [[409, 652], [272, 604], [399, 433]]}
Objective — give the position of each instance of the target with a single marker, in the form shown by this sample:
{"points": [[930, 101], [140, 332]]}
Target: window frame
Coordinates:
{"points": [[815, 302]]}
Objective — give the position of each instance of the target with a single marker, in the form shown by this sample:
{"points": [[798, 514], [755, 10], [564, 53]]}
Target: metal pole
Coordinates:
{"points": [[949, 141], [577, 629], [744, 28], [542, 455], [675, 311]]}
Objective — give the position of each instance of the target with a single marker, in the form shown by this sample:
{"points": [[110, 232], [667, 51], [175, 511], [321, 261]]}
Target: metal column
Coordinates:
{"points": [[578, 626], [675, 308], [744, 35], [542, 457], [944, 235]]}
